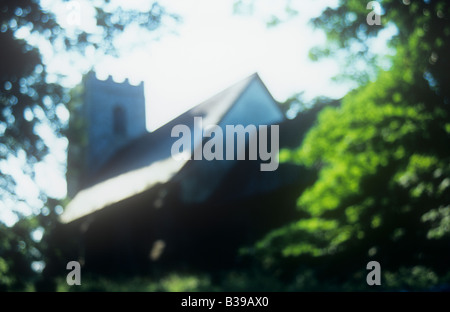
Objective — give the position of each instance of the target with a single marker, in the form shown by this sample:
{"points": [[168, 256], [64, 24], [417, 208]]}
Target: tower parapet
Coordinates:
{"points": [[114, 114]]}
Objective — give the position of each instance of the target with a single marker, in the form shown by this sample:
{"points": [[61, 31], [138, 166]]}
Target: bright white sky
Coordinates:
{"points": [[216, 48], [213, 48]]}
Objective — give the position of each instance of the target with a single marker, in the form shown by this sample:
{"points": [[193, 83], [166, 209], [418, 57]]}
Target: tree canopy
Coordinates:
{"points": [[29, 100], [383, 190]]}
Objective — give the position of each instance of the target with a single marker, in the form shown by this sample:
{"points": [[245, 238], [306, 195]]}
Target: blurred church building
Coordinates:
{"points": [[133, 206]]}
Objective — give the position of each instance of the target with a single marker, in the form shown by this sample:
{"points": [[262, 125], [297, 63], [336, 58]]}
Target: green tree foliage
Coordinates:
{"points": [[18, 251], [77, 137], [383, 191], [28, 100]]}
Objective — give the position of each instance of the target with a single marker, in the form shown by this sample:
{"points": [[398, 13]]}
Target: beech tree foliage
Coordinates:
{"points": [[383, 157]]}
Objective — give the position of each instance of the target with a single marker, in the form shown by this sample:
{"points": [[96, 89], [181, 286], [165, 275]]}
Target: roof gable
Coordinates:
{"points": [[147, 161]]}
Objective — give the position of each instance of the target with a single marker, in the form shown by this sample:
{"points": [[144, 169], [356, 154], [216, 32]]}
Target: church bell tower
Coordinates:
{"points": [[104, 118], [114, 114]]}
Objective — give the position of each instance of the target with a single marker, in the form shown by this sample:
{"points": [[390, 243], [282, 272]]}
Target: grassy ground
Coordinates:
{"points": [[406, 279]]}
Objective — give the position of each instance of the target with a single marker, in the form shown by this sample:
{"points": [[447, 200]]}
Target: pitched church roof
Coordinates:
{"points": [[146, 161]]}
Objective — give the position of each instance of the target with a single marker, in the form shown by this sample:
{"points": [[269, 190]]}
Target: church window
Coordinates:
{"points": [[119, 121]]}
